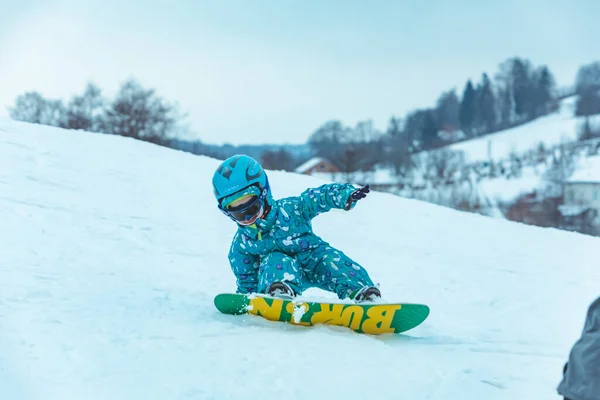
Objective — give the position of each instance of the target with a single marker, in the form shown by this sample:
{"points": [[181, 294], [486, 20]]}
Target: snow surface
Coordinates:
{"points": [[508, 189], [113, 250], [588, 171], [554, 129]]}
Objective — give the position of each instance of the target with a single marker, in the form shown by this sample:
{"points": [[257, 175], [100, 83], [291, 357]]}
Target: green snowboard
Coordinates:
{"points": [[370, 318]]}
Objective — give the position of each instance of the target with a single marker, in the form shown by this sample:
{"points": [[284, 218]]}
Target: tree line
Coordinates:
{"points": [[135, 112], [519, 93], [587, 87]]}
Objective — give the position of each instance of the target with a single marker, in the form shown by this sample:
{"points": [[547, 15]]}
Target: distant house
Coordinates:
{"points": [[581, 206], [451, 134], [317, 165]]}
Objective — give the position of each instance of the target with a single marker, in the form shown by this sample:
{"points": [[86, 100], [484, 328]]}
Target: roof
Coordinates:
{"points": [[309, 164], [588, 173], [572, 210]]}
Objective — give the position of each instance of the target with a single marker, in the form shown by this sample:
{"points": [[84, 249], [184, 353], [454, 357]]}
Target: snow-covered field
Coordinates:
{"points": [[587, 171], [112, 251], [554, 129]]}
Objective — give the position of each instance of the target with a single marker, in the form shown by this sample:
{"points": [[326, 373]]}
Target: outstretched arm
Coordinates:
{"points": [[334, 195], [244, 267]]}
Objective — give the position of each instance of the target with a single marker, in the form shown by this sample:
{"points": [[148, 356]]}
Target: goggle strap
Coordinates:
{"points": [[240, 198]]}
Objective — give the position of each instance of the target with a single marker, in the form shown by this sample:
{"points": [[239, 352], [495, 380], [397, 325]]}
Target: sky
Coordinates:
{"points": [[274, 71]]}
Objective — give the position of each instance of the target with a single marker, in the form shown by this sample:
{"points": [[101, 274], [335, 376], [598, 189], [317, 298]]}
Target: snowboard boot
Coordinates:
{"points": [[366, 293], [281, 290]]}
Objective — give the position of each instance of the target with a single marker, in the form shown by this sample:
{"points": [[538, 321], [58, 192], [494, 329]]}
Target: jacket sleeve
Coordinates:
{"points": [[581, 378], [244, 266], [324, 198]]}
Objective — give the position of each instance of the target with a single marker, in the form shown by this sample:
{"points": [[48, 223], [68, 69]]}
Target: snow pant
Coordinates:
{"points": [[324, 268]]}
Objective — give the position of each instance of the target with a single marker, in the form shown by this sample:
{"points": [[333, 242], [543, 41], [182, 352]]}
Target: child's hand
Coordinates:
{"points": [[357, 195]]}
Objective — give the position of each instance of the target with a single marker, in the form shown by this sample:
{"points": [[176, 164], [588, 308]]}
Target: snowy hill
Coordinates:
{"points": [[113, 249], [493, 171], [551, 130]]}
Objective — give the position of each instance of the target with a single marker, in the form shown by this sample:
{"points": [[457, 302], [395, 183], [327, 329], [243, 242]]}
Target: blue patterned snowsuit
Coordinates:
{"points": [[283, 247]]}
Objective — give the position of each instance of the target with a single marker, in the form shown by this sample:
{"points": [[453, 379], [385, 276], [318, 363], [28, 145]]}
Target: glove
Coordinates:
{"points": [[357, 195]]}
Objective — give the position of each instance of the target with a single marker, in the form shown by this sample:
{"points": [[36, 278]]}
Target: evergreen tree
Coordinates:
{"points": [[413, 127], [486, 104], [430, 130], [588, 102], [523, 88], [545, 85], [467, 111], [588, 76]]}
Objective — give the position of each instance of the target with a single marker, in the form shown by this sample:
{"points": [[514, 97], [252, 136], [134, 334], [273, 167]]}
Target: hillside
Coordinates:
{"points": [[551, 130], [113, 250]]}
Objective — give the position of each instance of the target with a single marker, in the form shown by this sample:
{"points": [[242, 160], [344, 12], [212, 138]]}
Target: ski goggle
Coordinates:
{"points": [[246, 211]]}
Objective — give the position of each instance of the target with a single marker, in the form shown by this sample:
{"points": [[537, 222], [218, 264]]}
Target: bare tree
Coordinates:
{"points": [[327, 140], [33, 107], [524, 92], [364, 149], [86, 111], [541, 154], [140, 113], [447, 110], [278, 160], [444, 165], [516, 165], [397, 147], [562, 167], [352, 149]]}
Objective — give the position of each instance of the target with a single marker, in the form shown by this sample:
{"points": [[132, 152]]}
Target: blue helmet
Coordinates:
{"points": [[237, 173]]}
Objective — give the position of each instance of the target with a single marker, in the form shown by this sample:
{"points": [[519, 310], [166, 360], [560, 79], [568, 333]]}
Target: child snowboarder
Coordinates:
{"points": [[274, 250]]}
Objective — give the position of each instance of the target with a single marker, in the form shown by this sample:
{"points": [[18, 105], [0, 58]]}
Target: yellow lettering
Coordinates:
{"points": [[352, 316], [328, 312], [339, 314], [379, 319], [259, 306]]}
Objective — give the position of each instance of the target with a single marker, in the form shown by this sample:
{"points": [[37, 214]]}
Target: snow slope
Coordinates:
{"points": [[588, 171], [112, 251], [551, 130]]}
